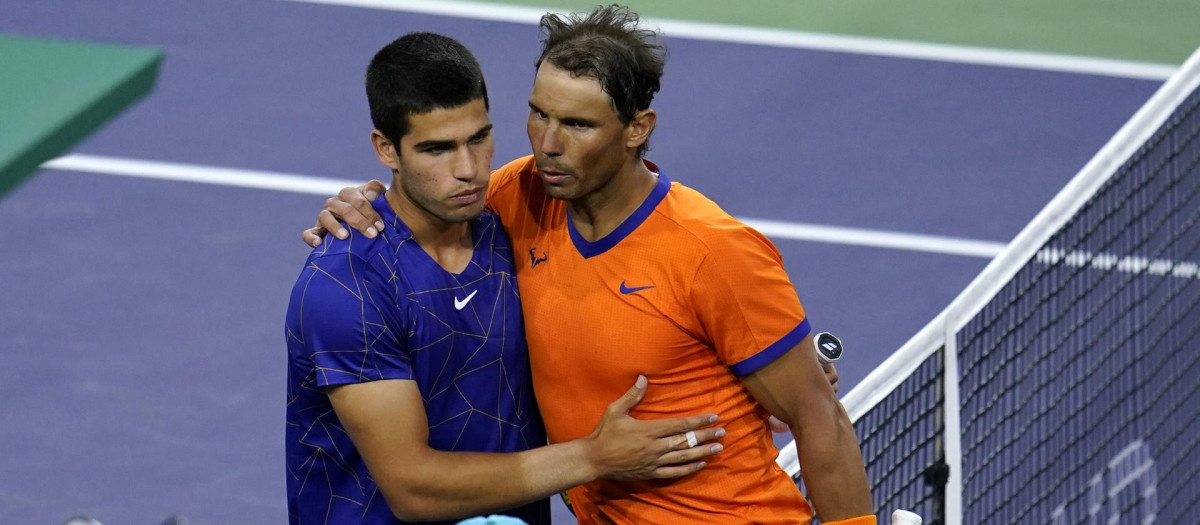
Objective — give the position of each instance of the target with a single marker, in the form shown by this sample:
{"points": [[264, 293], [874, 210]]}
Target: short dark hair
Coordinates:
{"points": [[418, 73], [607, 45]]}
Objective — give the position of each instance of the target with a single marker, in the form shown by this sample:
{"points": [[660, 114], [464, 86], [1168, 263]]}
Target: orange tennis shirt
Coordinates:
{"points": [[680, 292]]}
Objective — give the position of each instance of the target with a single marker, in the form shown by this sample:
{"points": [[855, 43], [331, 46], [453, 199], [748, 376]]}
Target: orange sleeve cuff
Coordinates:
{"points": [[861, 520]]}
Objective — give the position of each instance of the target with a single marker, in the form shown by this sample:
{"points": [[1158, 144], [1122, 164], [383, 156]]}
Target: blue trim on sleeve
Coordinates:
{"points": [[592, 249], [753, 363]]}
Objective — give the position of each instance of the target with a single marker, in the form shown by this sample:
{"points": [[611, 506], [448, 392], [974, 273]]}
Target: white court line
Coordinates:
{"points": [[266, 180], [797, 39], [875, 238], [293, 183]]}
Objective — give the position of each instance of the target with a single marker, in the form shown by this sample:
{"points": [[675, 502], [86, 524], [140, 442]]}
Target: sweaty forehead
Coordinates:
{"points": [[557, 90]]}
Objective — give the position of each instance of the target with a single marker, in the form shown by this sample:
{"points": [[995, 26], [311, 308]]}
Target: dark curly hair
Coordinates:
{"points": [[607, 45]]}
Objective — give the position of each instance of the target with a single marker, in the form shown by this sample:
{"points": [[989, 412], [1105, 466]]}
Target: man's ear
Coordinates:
{"points": [[640, 127], [386, 151]]}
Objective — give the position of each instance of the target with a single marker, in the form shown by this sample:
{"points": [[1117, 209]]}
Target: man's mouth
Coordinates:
{"points": [[553, 176], [469, 196]]}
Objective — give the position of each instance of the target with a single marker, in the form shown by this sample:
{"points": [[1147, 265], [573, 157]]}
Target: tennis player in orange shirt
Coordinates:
{"points": [[623, 272]]}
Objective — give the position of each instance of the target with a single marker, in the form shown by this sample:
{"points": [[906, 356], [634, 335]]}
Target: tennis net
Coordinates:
{"points": [[1074, 395]]}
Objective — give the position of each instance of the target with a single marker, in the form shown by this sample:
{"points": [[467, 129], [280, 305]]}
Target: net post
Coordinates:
{"points": [[952, 426]]}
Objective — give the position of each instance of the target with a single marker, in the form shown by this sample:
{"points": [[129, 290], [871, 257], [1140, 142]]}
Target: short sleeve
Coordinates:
{"points": [[349, 322], [745, 302]]}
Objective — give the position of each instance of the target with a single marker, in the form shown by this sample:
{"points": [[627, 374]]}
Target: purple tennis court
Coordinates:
{"points": [[142, 319]]}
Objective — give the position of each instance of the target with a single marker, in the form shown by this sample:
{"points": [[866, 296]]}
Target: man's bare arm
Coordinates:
{"points": [[387, 422], [796, 390], [831, 373]]}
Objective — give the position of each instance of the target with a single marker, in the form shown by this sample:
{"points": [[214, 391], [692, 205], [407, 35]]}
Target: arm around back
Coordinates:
{"points": [[386, 421]]}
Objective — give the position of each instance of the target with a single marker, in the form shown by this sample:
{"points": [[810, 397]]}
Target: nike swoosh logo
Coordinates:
{"points": [[458, 305], [627, 290]]}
